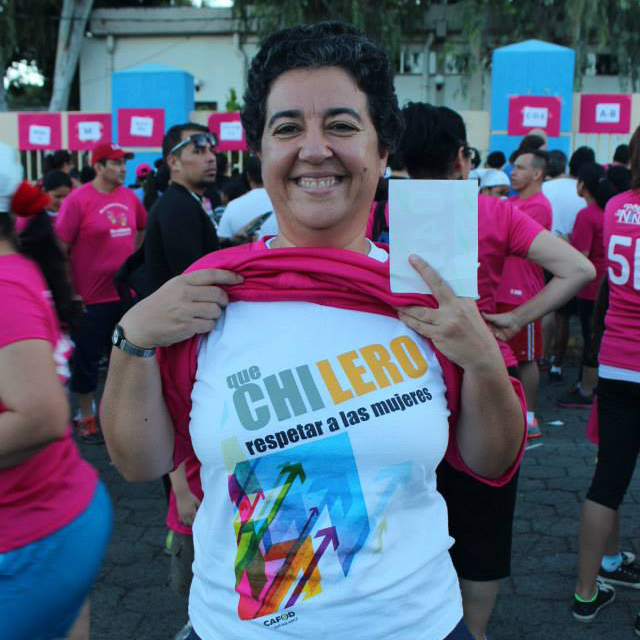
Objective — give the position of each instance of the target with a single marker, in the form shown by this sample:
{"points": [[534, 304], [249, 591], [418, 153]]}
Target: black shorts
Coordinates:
{"points": [[481, 522], [619, 433], [569, 308]]}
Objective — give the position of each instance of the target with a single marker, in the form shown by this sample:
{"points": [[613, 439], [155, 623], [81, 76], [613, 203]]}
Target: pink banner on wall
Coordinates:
{"points": [[86, 130], [534, 112], [140, 127], [605, 113], [39, 130], [228, 129]]}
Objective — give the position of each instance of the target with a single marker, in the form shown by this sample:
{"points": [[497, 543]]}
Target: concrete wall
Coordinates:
{"points": [[216, 62]]}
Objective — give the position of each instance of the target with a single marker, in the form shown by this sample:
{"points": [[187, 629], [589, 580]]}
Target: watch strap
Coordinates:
{"points": [[128, 347]]}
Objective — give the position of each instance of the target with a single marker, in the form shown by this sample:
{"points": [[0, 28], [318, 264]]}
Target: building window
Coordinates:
{"points": [[206, 106], [607, 64], [411, 60], [602, 64], [456, 64]]}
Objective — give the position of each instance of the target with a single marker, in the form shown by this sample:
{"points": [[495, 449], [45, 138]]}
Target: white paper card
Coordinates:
{"points": [[141, 126], [535, 116], [438, 221], [608, 112], [89, 131], [39, 134], [231, 131]]}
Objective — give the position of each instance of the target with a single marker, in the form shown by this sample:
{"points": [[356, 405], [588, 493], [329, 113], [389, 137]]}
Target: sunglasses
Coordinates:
{"points": [[200, 141]]}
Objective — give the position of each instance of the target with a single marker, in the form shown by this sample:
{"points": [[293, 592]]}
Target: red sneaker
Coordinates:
{"points": [[88, 430]]}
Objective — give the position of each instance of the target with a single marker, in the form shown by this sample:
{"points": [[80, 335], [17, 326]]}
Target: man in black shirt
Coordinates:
{"points": [[179, 231]]}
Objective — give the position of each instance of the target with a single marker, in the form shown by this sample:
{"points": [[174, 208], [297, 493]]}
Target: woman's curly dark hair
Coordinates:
{"points": [[324, 44]]}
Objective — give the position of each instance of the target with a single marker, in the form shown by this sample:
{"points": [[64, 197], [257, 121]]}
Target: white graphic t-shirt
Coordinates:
{"points": [[319, 430]]}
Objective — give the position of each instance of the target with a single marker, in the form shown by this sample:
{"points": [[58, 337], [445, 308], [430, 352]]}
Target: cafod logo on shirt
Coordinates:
{"points": [[261, 399]]}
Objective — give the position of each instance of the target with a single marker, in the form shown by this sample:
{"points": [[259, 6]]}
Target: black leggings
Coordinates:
{"points": [[585, 312], [619, 425]]}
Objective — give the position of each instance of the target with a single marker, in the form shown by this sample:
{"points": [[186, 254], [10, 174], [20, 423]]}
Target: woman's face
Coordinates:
{"points": [[57, 195], [321, 159]]}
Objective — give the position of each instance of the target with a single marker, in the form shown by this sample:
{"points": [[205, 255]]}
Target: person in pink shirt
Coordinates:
{"points": [[618, 399], [100, 225], [55, 515], [481, 517], [586, 237], [522, 279]]}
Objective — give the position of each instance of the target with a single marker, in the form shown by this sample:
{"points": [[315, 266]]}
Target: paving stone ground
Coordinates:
{"points": [[131, 601]]}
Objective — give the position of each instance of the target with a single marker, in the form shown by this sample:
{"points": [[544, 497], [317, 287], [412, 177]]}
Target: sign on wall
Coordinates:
{"points": [[140, 127], [39, 130], [228, 128], [605, 113], [534, 112], [86, 130]]}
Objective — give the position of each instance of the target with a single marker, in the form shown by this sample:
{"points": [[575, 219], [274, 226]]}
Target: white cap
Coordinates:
{"points": [[10, 175], [494, 178], [477, 173]]}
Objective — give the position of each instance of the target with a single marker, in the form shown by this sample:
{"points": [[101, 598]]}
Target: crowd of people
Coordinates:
{"points": [[328, 448]]}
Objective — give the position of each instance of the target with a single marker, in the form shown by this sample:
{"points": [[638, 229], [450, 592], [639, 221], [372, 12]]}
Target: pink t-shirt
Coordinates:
{"points": [[100, 229], [503, 231], [587, 237], [49, 489], [620, 346], [521, 278]]}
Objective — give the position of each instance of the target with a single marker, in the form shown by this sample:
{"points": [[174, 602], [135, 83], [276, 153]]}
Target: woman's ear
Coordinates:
{"points": [[461, 165], [384, 157]]}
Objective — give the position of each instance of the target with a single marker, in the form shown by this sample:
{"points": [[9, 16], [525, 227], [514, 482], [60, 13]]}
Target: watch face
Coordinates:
{"points": [[115, 338]]}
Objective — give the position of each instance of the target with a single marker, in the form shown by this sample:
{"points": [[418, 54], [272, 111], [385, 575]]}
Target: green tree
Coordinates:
{"points": [[384, 20], [232, 103], [612, 25]]}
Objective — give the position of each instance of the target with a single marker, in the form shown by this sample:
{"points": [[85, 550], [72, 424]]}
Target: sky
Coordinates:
{"points": [[25, 72]]}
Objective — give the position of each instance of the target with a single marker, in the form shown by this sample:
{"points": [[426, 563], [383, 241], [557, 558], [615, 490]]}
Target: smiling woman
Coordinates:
{"points": [[318, 444], [321, 158]]}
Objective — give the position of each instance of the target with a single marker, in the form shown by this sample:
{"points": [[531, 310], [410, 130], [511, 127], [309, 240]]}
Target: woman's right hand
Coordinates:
{"points": [[184, 306]]}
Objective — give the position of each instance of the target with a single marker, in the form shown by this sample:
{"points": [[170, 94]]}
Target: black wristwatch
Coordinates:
{"points": [[118, 340]]}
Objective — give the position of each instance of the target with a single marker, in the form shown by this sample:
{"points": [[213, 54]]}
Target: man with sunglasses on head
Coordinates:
{"points": [[179, 230]]}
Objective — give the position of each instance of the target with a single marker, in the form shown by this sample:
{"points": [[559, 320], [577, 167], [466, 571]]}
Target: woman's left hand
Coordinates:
{"points": [[456, 327]]}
